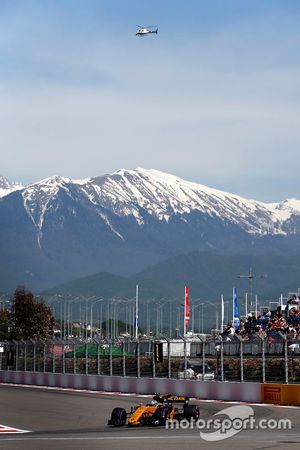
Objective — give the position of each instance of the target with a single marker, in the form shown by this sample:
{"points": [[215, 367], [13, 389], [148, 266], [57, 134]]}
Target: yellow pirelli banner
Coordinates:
{"points": [[281, 394]]}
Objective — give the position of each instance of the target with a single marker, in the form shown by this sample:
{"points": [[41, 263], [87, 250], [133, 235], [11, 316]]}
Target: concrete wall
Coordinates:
{"points": [[214, 390]]}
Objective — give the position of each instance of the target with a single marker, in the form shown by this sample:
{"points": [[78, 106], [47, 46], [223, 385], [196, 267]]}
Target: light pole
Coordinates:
{"points": [[58, 298], [178, 320], [100, 319], [215, 305], [3, 301], [148, 319], [194, 307], [250, 279], [85, 315], [158, 319], [112, 317], [92, 304], [160, 311], [131, 315], [226, 310], [171, 315], [203, 305], [70, 315]]}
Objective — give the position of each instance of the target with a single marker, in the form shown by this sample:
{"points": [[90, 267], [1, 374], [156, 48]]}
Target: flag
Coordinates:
{"points": [[186, 307], [236, 320]]}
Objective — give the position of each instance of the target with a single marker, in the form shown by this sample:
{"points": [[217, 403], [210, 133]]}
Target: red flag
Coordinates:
{"points": [[187, 307]]}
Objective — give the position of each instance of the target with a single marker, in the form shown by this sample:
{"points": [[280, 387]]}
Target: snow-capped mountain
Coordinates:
{"points": [[160, 195], [6, 186], [124, 221]]}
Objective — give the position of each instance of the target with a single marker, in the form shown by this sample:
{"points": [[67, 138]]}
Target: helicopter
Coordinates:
{"points": [[143, 31]]}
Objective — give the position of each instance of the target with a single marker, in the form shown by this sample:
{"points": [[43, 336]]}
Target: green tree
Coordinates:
{"points": [[4, 322], [30, 318]]}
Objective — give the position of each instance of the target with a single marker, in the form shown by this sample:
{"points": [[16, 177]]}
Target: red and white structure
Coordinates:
{"points": [[10, 430]]}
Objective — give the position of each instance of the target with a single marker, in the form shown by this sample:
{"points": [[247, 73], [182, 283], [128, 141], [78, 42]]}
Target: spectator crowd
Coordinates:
{"points": [[285, 319]]}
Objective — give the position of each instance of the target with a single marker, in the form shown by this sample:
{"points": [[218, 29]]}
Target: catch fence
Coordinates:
{"points": [[272, 358]]}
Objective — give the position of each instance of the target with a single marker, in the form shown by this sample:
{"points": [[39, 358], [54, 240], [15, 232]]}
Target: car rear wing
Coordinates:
{"points": [[168, 398]]}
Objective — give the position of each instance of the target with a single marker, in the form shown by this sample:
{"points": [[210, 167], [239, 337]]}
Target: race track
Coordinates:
{"points": [[72, 420]]}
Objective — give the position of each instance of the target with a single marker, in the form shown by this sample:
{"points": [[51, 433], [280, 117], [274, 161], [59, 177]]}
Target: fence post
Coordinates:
{"points": [[153, 361], [63, 358], [185, 357], [203, 358], [138, 359], [124, 359], [44, 357], [242, 359], [74, 357], [34, 356], [53, 357], [25, 356], [98, 357], [222, 359], [169, 360], [17, 355], [263, 359], [110, 359], [286, 361], [86, 358]]}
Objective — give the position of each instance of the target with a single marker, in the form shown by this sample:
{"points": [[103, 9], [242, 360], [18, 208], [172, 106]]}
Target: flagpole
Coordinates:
{"points": [[256, 305], [222, 313], [136, 310], [184, 315], [233, 306]]}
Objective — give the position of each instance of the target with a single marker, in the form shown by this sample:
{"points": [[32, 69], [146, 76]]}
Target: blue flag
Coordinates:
{"points": [[236, 319]]}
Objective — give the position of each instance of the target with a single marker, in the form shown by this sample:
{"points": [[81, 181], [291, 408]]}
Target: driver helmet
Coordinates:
{"points": [[154, 402]]}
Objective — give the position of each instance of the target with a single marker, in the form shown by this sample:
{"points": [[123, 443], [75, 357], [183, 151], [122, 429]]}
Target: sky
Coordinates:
{"points": [[213, 98]]}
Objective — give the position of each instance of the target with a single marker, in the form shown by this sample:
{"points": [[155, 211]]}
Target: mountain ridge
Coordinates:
{"points": [[207, 275], [57, 229], [162, 194]]}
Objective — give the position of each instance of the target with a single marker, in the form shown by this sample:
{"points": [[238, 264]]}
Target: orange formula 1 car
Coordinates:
{"points": [[157, 412]]}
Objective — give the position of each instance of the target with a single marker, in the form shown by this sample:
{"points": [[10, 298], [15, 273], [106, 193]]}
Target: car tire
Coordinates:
{"points": [[191, 411], [161, 416], [118, 417]]}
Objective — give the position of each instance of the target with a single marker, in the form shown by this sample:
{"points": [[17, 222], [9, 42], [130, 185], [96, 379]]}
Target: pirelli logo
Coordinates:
{"points": [[272, 394]]}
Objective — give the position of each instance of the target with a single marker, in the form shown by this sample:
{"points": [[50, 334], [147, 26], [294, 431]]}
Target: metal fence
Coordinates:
{"points": [[262, 358]]}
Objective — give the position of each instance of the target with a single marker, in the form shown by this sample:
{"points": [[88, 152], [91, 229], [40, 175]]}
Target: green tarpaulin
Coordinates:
{"points": [[92, 351]]}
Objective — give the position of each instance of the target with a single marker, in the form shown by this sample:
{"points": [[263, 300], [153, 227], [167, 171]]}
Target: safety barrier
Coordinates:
{"points": [[281, 394], [213, 390]]}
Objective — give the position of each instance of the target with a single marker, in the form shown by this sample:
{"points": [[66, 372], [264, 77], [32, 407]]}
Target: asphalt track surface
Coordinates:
{"points": [[71, 420]]}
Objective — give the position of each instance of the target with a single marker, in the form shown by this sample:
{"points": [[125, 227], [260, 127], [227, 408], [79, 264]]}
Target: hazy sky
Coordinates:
{"points": [[213, 98]]}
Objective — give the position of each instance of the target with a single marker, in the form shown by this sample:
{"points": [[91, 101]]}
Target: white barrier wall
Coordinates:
{"points": [[213, 390]]}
